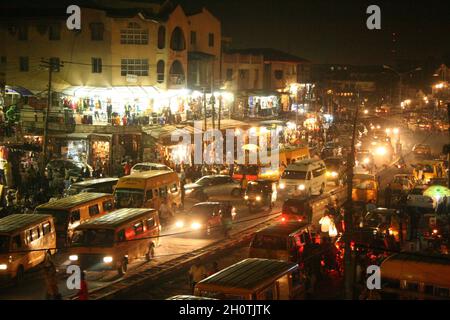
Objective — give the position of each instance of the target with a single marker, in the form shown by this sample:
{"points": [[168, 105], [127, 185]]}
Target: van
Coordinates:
{"points": [[269, 280], [114, 240], [281, 241], [26, 240], [102, 185], [304, 177], [148, 190], [71, 211]]}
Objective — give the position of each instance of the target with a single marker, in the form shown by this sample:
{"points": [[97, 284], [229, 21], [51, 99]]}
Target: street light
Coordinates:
{"points": [[400, 76]]}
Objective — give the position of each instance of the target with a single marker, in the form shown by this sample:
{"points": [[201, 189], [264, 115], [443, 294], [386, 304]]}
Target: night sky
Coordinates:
{"points": [[329, 31]]}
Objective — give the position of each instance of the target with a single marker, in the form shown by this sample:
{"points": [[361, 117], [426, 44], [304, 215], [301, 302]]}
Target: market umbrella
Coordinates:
{"points": [[250, 147], [437, 192]]}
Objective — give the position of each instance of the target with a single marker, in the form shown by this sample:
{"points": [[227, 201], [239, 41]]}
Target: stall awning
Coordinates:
{"points": [[24, 92], [112, 92]]}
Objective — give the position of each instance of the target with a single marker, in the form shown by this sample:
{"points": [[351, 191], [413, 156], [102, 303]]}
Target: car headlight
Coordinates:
{"points": [[246, 197], [107, 259], [73, 257], [3, 266], [334, 174], [179, 224], [196, 226], [258, 198], [187, 191], [301, 187], [366, 160], [282, 186], [328, 173]]}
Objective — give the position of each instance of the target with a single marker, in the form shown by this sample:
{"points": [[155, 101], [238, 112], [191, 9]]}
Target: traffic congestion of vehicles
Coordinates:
{"points": [[117, 227]]}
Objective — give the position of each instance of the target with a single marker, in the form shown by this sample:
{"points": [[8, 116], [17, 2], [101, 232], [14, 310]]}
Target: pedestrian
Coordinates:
{"points": [[51, 280], [388, 196], [83, 293], [371, 205], [109, 112], [165, 212], [196, 273], [127, 168]]}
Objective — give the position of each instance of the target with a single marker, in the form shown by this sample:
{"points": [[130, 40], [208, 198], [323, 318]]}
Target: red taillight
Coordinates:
{"points": [[283, 219]]}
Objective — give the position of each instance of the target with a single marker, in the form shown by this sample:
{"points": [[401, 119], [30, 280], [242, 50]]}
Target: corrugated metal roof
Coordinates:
{"points": [[115, 218], [72, 201], [15, 222], [249, 274], [94, 181]]}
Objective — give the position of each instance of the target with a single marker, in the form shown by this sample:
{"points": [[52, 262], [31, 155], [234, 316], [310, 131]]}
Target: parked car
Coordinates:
{"points": [[212, 185], [75, 168], [421, 150], [205, 217], [149, 166]]}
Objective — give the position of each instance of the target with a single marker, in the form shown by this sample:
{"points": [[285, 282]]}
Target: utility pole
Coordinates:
{"points": [[204, 107], [52, 66], [348, 217]]}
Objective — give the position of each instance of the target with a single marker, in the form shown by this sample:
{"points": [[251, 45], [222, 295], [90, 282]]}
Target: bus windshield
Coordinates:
{"points": [[4, 244], [93, 238], [289, 174], [129, 198]]}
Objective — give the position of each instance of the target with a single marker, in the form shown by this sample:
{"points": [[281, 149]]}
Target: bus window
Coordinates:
{"points": [[108, 205], [121, 235], [163, 192], [150, 223], [94, 210], [46, 228], [149, 195], [17, 242], [75, 216], [138, 228], [174, 188]]}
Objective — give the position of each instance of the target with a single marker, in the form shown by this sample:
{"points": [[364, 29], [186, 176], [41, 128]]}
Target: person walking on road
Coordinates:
{"points": [[196, 273], [83, 294], [51, 280]]}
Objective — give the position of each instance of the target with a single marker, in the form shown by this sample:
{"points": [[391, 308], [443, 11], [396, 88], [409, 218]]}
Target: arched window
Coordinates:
{"points": [[176, 73], [160, 71], [161, 37], [177, 41]]}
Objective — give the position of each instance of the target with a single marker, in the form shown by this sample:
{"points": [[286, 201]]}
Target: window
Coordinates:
{"points": [[177, 42], [17, 242], [108, 205], [97, 30], [23, 32], [161, 37], [278, 74], [134, 34], [150, 223], [54, 32], [46, 228], [121, 235], [160, 71], [54, 62], [193, 37], [163, 192], [149, 195], [23, 64], [96, 65], [94, 210], [75, 216], [211, 39], [33, 234], [138, 228], [229, 74], [138, 67]]}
